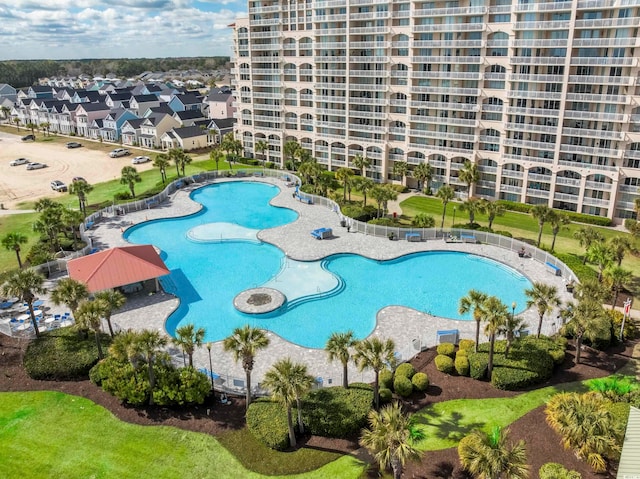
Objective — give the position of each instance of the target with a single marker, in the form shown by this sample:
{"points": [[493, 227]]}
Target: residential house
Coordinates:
{"points": [[87, 96], [38, 91], [112, 124], [154, 127], [186, 101], [8, 92], [118, 99], [220, 103], [93, 131], [67, 118], [162, 108], [188, 117], [187, 138], [130, 131], [86, 113], [219, 127], [139, 104]]}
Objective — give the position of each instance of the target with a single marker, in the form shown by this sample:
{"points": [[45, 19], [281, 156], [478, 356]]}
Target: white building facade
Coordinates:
{"points": [[543, 96]]}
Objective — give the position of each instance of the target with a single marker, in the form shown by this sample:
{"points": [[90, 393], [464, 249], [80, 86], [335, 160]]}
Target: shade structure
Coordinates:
{"points": [[117, 267]]}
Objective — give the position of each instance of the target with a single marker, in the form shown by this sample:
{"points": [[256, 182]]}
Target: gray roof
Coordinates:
{"points": [[189, 114], [189, 99], [189, 131], [94, 106], [135, 122], [223, 123], [630, 459], [219, 96], [145, 98]]}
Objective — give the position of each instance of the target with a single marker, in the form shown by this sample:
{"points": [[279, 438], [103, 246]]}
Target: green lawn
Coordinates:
{"points": [[50, 434]]}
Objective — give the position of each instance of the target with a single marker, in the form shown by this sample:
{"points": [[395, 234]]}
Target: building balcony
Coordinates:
{"points": [[538, 193], [567, 181], [599, 186], [512, 174]]}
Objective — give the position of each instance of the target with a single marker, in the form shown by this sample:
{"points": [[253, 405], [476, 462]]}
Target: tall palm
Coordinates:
{"points": [[49, 223], [302, 384], [591, 288], [162, 162], [244, 343], [492, 209], [542, 213], [114, 300], [557, 221], [544, 297], [290, 150], [89, 315], [25, 284], [70, 292], [129, 176], [469, 174], [148, 346], [620, 245], [344, 174], [124, 346], [280, 381], [364, 186], [473, 301], [616, 278], [338, 347], [390, 438], [216, 156], [446, 193], [587, 320], [81, 188], [489, 456], [189, 338], [12, 242], [361, 163], [512, 324], [71, 219], [495, 314], [586, 236], [261, 147], [587, 427], [472, 206], [401, 169], [375, 354], [423, 173], [602, 255]]}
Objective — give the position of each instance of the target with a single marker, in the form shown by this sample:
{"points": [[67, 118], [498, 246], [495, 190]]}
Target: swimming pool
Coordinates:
{"points": [[214, 255]]}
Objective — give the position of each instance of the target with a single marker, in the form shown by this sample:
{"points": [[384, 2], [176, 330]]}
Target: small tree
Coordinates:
{"points": [[544, 297], [129, 176], [489, 456], [114, 300], [162, 162], [586, 236], [337, 348], [189, 338], [446, 193], [586, 320], [25, 284], [12, 242], [70, 292], [375, 354], [542, 213], [473, 301], [469, 174], [89, 314]]}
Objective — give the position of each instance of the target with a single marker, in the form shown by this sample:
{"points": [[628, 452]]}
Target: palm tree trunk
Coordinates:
{"points": [[248, 396], [396, 466], [477, 334], [99, 346], [152, 380], [540, 325], [108, 318], [444, 212], [191, 359], [376, 392], [509, 341], [300, 421], [292, 433], [539, 236], [578, 348], [553, 243], [615, 299], [19, 260], [345, 379], [33, 318], [492, 341]]}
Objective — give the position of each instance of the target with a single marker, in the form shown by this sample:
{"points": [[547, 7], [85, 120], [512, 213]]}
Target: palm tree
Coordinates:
{"points": [[80, 188], [492, 209], [129, 176], [17, 121], [469, 174], [162, 162], [12, 241], [423, 172], [472, 206], [587, 320], [280, 381], [602, 255], [489, 456], [557, 221], [338, 348], [114, 300], [401, 169], [302, 384], [495, 314], [70, 292], [591, 288], [473, 301], [290, 150], [620, 245], [124, 346], [189, 338], [216, 155], [261, 147], [25, 284], [544, 297], [72, 219], [89, 315], [32, 126], [512, 325], [423, 220], [587, 427], [5, 111], [361, 163], [375, 354], [616, 278], [244, 343], [148, 345], [344, 174], [365, 185], [542, 213], [586, 236], [446, 193], [390, 438]]}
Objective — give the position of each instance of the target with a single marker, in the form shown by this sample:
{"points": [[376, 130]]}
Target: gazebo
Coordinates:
{"points": [[118, 267]]}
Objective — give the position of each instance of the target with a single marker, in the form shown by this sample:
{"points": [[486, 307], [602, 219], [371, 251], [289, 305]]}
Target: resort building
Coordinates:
{"points": [[543, 96]]}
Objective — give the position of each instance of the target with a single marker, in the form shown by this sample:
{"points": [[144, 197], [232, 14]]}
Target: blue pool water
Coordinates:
{"points": [[207, 275]]}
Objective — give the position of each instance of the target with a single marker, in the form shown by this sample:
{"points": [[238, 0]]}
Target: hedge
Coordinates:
{"points": [[573, 216], [336, 411], [574, 263], [385, 379], [359, 213], [62, 355], [466, 345], [553, 470], [383, 222], [406, 370], [463, 352], [267, 421], [556, 348], [521, 369], [420, 381], [402, 386], [478, 363], [444, 364], [461, 364], [385, 395], [447, 349]]}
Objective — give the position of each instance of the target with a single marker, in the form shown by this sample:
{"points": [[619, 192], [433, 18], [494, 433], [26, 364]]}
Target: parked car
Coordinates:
{"points": [[140, 159], [74, 144], [19, 161], [29, 138], [35, 166], [78, 178], [58, 185], [119, 152]]}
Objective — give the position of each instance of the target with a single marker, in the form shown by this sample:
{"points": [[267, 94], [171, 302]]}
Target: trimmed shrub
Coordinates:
{"points": [[406, 370], [522, 368], [466, 345], [181, 386], [62, 355], [385, 379], [576, 217], [122, 196], [337, 412], [402, 386], [503, 233], [573, 262], [444, 364], [385, 395], [448, 349], [463, 353], [399, 188], [630, 328], [267, 421], [359, 213], [553, 470], [383, 222], [478, 363], [121, 380], [554, 347], [462, 365], [420, 381]]}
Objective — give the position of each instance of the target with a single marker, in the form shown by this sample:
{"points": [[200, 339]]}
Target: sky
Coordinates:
{"points": [[73, 29]]}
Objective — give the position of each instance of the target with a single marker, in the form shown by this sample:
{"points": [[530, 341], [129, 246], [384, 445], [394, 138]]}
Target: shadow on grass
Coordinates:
{"points": [[448, 428]]}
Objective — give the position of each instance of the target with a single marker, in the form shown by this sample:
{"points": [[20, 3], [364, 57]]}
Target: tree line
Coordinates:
{"points": [[24, 73]]}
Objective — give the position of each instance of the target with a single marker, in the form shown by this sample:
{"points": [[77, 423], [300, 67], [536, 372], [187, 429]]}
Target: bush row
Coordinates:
{"points": [[574, 263], [576, 217]]}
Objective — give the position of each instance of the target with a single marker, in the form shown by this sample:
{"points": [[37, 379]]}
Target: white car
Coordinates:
{"points": [[140, 159], [119, 152], [35, 166], [19, 161]]}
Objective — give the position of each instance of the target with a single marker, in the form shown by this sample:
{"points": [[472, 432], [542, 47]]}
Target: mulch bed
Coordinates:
{"points": [[543, 444]]}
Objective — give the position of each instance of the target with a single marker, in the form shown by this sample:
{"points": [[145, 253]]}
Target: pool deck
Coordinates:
{"points": [[409, 329]]}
